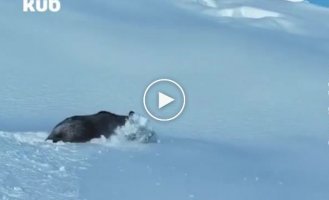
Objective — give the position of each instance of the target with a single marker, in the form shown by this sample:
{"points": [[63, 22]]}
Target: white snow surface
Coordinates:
{"points": [[295, 1], [247, 12], [256, 121]]}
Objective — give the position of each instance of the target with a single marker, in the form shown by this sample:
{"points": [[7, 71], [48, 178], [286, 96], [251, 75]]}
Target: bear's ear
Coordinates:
{"points": [[131, 113]]}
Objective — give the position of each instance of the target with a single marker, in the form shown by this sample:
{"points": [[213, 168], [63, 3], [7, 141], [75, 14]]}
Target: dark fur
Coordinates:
{"points": [[86, 127]]}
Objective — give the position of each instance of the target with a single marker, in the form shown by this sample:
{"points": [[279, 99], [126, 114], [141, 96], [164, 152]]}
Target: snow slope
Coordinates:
{"points": [[256, 77]]}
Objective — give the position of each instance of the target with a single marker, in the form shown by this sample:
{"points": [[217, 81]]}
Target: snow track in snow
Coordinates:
{"points": [[34, 169]]}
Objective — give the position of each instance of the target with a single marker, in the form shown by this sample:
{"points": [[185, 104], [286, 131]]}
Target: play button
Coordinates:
{"points": [[164, 100]]}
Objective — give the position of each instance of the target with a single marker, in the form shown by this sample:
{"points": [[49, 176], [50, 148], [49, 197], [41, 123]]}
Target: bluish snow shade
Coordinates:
{"points": [[320, 2]]}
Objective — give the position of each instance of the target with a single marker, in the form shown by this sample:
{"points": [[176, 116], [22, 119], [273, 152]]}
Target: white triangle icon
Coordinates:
{"points": [[164, 100]]}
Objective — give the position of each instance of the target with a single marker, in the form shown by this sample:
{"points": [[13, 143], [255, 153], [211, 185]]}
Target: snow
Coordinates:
{"points": [[209, 3], [295, 1], [256, 121], [247, 12]]}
